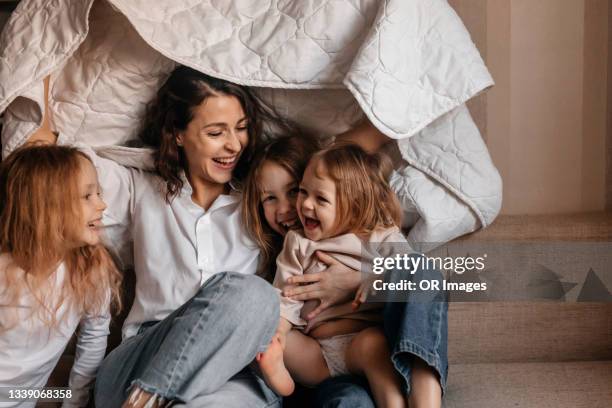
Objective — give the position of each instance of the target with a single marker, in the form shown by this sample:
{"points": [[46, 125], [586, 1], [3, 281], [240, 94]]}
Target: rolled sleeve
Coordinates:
{"points": [[90, 351]]}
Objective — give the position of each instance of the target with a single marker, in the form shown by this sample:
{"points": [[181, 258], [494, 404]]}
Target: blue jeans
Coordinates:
{"points": [[415, 326], [197, 356]]}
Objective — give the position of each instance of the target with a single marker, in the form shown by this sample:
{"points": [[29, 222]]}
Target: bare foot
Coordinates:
{"points": [[273, 368]]}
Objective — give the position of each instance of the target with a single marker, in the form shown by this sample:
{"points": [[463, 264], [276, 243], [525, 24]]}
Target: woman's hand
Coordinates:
{"points": [[366, 135], [44, 133], [337, 284]]}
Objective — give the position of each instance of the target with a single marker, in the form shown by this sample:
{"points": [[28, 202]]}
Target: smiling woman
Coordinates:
{"points": [[202, 125], [212, 149]]}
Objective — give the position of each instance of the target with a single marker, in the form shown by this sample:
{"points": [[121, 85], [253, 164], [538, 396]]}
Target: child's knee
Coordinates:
{"points": [[368, 345], [369, 339]]}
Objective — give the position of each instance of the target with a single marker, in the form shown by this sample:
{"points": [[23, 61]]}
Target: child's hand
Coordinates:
{"points": [[360, 296], [363, 291]]}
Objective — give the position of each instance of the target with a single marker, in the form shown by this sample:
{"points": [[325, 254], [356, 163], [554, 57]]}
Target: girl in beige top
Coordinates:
{"points": [[344, 202]]}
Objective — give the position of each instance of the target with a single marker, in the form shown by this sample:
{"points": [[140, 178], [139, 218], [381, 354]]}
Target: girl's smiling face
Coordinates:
{"points": [[278, 197], [316, 203], [91, 204]]}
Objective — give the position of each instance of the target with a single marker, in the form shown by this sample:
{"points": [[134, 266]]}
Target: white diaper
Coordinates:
{"points": [[334, 353]]}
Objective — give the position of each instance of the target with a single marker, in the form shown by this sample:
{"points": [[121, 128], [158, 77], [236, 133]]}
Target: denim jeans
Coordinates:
{"points": [[415, 326], [197, 356]]}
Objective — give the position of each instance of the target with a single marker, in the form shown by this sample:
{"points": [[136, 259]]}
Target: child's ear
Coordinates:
{"points": [[179, 139]]}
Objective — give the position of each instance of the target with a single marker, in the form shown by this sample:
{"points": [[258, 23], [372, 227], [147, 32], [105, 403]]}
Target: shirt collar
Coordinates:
{"points": [[222, 200]]}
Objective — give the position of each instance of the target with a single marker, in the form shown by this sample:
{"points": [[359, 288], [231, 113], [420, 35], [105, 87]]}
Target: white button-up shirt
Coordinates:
{"points": [[30, 350], [176, 246]]}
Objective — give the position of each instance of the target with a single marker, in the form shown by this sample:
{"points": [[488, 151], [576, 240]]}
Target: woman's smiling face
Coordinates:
{"points": [[215, 138]]}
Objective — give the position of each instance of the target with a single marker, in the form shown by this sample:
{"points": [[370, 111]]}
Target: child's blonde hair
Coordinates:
{"points": [[364, 198], [40, 216], [292, 154]]}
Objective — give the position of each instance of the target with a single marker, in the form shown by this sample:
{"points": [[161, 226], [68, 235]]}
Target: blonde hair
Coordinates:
{"points": [[364, 198], [292, 154], [39, 217]]}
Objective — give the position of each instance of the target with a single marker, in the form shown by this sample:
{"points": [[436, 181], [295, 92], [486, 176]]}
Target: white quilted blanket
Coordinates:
{"points": [[409, 65]]}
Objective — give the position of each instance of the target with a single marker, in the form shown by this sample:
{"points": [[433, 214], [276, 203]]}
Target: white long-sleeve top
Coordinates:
{"points": [[30, 350], [176, 246]]}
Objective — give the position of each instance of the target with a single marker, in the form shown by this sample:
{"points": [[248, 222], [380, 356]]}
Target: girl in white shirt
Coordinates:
{"points": [[55, 275]]}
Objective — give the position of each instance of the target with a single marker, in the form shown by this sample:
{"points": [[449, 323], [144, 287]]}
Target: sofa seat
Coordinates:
{"points": [[564, 384]]}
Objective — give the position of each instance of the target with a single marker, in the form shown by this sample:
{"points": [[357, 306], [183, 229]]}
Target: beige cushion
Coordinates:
{"points": [[512, 332], [530, 385]]}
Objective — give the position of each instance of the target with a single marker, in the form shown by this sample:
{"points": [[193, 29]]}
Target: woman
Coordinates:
{"points": [[193, 327], [149, 347]]}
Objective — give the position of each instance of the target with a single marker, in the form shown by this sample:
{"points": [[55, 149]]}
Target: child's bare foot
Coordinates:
{"points": [[273, 368]]}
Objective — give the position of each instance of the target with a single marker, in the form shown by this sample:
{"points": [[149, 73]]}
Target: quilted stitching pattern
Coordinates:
{"points": [[406, 64], [28, 52], [452, 152]]}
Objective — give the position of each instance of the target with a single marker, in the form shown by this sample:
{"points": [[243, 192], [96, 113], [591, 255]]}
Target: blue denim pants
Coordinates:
{"points": [[415, 324], [198, 355]]}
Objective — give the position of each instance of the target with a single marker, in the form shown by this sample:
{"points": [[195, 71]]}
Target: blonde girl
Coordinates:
{"points": [[55, 275]]}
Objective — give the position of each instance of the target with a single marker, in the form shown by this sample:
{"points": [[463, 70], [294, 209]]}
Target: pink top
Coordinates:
{"points": [[298, 257]]}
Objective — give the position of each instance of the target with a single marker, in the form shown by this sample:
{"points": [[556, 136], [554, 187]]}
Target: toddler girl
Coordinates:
{"points": [[55, 275], [344, 205]]}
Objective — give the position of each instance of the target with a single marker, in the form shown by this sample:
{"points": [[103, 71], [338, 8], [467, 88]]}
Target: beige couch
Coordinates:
{"points": [[527, 355], [536, 355]]}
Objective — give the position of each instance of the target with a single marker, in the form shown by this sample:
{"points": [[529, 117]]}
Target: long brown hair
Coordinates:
{"points": [[39, 217], [292, 154], [172, 109], [365, 200]]}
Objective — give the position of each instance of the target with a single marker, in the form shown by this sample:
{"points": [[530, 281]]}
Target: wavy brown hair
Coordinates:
{"points": [[172, 109], [365, 200], [40, 217], [292, 153]]}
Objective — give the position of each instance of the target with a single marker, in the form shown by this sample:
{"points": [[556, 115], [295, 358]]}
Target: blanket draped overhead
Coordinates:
{"points": [[409, 66]]}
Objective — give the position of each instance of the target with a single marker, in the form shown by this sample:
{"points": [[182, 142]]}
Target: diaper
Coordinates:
{"points": [[334, 353]]}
